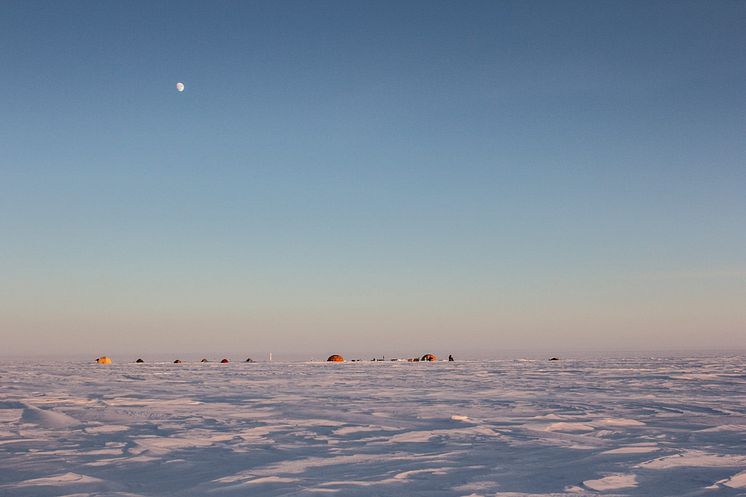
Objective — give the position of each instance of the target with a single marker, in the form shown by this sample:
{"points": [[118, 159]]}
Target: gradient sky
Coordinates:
{"points": [[371, 177]]}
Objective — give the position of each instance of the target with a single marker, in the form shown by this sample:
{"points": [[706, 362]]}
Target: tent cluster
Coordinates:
{"points": [[107, 360], [222, 361], [332, 358], [424, 358]]}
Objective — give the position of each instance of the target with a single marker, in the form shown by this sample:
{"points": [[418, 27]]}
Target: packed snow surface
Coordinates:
{"points": [[640, 427]]}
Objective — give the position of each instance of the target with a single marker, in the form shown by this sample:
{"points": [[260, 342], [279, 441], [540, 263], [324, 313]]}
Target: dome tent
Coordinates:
{"points": [[224, 361], [204, 360], [429, 358], [177, 361], [335, 358], [139, 361], [103, 360]]}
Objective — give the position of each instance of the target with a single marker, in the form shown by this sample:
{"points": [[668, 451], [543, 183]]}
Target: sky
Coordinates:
{"points": [[373, 178]]}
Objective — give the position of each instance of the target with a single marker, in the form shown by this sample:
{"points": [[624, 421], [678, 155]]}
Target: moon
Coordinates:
{"points": [[180, 86]]}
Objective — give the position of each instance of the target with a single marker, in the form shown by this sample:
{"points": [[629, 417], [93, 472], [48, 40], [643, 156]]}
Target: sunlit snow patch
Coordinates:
{"points": [[612, 482]]}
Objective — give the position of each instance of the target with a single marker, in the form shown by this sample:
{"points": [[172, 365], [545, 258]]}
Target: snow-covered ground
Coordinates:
{"points": [[646, 427]]}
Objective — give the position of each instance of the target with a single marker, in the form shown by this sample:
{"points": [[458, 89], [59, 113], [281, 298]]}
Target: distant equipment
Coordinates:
{"points": [[180, 86]]}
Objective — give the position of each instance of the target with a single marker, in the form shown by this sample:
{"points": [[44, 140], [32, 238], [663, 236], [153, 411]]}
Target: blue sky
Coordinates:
{"points": [[374, 177]]}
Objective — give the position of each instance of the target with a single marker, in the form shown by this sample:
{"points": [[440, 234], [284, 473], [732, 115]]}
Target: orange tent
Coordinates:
{"points": [[429, 357], [103, 360], [335, 358]]}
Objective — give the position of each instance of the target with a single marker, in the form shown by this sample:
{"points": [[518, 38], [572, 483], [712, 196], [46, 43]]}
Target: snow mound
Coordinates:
{"points": [[621, 422], [631, 450], [62, 480], [694, 459], [569, 427], [612, 482], [735, 481], [47, 419]]}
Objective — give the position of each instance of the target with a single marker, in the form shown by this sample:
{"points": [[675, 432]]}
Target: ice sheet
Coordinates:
{"points": [[634, 427]]}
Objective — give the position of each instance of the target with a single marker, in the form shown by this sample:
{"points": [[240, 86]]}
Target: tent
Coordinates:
{"points": [[429, 358], [335, 358], [103, 360]]}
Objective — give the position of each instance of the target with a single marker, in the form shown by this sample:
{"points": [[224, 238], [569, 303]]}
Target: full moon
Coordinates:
{"points": [[180, 86]]}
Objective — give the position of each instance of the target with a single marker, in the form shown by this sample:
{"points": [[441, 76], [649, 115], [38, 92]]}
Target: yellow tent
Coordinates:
{"points": [[103, 360]]}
